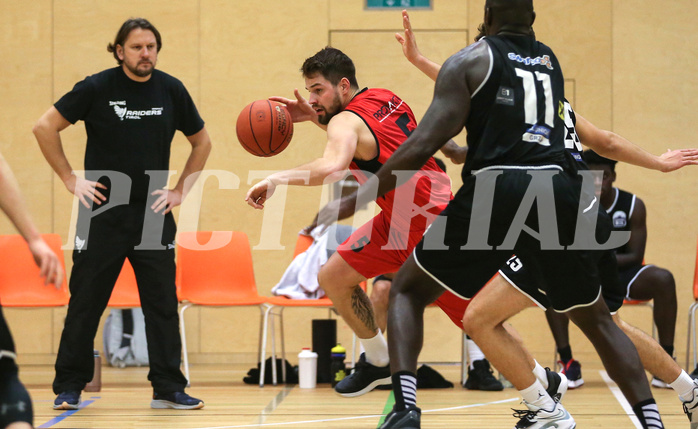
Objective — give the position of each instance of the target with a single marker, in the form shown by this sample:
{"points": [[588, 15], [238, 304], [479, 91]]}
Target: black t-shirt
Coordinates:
{"points": [[130, 124], [517, 114]]}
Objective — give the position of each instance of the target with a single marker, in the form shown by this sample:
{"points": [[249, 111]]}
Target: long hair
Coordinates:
{"points": [[126, 28]]}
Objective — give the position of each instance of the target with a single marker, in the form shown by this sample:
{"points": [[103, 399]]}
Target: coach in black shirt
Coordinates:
{"points": [[131, 113]]}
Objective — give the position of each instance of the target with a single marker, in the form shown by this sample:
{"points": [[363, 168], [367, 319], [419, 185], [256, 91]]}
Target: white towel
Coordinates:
{"points": [[300, 278]]}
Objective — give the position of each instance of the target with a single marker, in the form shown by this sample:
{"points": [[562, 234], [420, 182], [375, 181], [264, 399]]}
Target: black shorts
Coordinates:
{"points": [[520, 277], [568, 278], [628, 276]]}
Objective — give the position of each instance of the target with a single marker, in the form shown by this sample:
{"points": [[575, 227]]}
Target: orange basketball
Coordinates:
{"points": [[264, 128]]}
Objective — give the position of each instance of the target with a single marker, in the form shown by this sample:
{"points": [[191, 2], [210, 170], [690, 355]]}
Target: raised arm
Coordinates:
{"points": [[445, 118], [451, 150], [611, 145], [412, 52]]}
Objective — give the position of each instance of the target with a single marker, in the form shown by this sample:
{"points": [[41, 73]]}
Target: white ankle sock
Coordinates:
{"points": [[376, 350], [536, 396], [540, 374], [474, 352], [683, 385]]}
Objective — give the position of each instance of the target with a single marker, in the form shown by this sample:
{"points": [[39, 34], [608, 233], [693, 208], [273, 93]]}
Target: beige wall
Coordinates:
{"points": [[626, 65]]}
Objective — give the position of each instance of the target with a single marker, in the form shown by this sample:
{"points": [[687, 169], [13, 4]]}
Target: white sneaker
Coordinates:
{"points": [[690, 408], [558, 418]]}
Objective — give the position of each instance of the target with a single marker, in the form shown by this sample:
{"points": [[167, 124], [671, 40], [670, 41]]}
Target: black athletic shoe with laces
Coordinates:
{"points": [[364, 379], [480, 377], [409, 418]]}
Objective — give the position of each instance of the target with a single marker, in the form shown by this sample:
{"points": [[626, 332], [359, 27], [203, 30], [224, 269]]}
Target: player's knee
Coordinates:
{"points": [[664, 279]]}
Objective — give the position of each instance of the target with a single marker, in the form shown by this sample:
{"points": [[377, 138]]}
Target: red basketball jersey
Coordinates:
{"points": [[416, 203]]}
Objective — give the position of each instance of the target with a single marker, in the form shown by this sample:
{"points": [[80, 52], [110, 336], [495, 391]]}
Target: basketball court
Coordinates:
{"points": [[124, 402]]}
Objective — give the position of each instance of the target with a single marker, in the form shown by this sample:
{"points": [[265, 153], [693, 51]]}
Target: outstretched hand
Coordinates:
{"points": [[675, 159], [300, 109], [408, 42]]}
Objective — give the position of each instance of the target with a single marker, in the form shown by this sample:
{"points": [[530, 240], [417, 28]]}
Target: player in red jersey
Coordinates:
{"points": [[364, 127]]}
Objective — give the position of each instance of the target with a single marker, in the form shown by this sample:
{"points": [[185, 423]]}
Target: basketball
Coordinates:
{"points": [[264, 128]]}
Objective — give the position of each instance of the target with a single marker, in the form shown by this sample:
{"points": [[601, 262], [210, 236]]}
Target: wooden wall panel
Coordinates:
{"points": [[231, 53], [654, 102]]}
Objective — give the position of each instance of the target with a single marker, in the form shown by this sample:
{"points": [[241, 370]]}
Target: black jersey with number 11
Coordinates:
{"points": [[517, 113]]}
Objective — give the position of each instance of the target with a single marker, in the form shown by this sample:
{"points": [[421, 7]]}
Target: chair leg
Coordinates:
{"points": [[283, 345], [266, 310], [691, 336], [465, 358], [273, 354], [183, 339]]}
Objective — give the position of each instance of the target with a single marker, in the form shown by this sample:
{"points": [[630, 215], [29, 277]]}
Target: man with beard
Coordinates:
{"points": [[131, 113], [364, 127]]}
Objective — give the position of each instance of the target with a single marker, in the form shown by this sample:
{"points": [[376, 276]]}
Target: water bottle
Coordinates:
{"points": [[307, 369], [337, 368], [95, 385]]}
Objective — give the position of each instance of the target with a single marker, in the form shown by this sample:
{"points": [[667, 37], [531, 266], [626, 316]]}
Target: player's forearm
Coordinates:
{"points": [[622, 149], [427, 66], [192, 168], [314, 173], [12, 203]]}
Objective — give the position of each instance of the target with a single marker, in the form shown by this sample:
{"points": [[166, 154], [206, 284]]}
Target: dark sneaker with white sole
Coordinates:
{"points": [[69, 400], [176, 401], [409, 418], [557, 384], [365, 378]]}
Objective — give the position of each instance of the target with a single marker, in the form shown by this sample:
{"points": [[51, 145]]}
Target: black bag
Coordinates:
{"points": [[429, 378], [252, 376]]}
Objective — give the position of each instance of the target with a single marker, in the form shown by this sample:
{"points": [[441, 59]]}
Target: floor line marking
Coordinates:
{"points": [[388, 407], [59, 418], [621, 399], [461, 407], [274, 404]]}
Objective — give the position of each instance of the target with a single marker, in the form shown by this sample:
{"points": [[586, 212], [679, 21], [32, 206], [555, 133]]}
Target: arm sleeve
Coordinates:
{"points": [[76, 104], [189, 121]]}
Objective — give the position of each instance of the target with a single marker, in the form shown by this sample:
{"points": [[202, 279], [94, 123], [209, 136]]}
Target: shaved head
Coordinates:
{"points": [[509, 15]]}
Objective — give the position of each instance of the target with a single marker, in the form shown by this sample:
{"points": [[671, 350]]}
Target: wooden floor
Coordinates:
{"points": [[124, 402]]}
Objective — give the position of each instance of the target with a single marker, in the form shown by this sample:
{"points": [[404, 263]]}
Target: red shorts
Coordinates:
{"points": [[373, 249], [454, 307]]}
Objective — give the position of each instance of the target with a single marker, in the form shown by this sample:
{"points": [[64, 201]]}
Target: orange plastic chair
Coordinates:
{"points": [[692, 320], [277, 305], [218, 277], [20, 284], [125, 293]]}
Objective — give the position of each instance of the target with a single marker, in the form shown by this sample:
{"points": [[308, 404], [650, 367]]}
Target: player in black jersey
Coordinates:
{"points": [[15, 403], [654, 358], [131, 113], [506, 90], [639, 281]]}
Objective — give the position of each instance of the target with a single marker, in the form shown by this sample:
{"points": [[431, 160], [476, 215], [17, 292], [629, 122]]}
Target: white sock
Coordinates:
{"points": [[376, 350], [535, 396], [540, 374], [683, 385], [474, 352]]}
